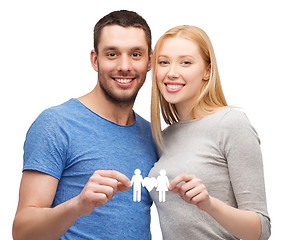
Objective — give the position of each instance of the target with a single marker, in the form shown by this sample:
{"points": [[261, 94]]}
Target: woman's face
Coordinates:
{"points": [[181, 72]]}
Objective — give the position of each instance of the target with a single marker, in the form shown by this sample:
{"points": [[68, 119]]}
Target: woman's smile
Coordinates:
{"points": [[174, 87]]}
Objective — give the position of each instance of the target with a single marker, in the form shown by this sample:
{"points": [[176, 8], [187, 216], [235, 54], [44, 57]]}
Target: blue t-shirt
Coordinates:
{"points": [[70, 142]]}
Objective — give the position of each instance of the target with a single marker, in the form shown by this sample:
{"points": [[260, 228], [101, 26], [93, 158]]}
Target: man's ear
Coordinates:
{"points": [[149, 60], [94, 60], [206, 76]]}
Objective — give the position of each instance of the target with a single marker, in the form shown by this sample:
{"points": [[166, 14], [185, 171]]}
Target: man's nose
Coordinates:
{"points": [[124, 64]]}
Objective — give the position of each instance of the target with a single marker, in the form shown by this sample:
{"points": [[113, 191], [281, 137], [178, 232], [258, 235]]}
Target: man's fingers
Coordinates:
{"points": [[107, 190], [122, 187], [123, 182]]}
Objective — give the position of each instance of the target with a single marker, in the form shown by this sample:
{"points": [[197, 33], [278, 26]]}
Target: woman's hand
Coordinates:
{"points": [[192, 190]]}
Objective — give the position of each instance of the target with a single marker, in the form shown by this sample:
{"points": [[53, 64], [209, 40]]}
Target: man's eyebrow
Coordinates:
{"points": [[112, 48], [137, 48], [109, 48]]}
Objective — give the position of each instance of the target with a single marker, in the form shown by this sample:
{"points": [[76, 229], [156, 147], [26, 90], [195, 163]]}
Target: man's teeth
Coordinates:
{"points": [[123, 80], [174, 86]]}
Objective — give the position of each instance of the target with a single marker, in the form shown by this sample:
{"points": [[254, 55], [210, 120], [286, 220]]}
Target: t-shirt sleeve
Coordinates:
{"points": [[44, 147], [241, 147]]}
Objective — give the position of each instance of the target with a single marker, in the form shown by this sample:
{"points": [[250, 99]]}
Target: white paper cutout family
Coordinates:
{"points": [[161, 183]]}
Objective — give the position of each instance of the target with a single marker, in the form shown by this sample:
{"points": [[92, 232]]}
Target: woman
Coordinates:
{"points": [[210, 151]]}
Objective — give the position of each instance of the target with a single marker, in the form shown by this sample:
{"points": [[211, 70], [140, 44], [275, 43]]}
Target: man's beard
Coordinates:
{"points": [[113, 98]]}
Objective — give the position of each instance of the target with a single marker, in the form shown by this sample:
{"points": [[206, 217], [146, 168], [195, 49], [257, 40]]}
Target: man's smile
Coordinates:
{"points": [[123, 82]]}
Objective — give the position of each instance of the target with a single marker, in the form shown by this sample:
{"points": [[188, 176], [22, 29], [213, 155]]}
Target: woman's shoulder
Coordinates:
{"points": [[234, 122], [233, 117]]}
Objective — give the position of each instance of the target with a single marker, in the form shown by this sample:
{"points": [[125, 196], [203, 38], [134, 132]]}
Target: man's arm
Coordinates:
{"points": [[35, 219]]}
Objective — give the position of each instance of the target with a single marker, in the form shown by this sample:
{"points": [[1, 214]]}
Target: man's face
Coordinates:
{"points": [[122, 62]]}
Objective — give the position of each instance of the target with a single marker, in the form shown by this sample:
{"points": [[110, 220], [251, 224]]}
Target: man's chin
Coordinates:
{"points": [[120, 96], [121, 99]]}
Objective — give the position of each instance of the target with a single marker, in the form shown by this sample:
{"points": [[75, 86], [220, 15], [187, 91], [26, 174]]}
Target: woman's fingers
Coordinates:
{"points": [[190, 188], [173, 186]]}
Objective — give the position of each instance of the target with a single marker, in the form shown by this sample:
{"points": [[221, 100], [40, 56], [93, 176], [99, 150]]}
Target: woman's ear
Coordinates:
{"points": [[94, 60], [206, 76]]}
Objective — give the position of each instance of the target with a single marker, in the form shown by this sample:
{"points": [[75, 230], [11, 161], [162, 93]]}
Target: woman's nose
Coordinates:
{"points": [[172, 74]]}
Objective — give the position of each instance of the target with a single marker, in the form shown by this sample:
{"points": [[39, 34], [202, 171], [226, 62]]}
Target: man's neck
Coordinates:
{"points": [[118, 113]]}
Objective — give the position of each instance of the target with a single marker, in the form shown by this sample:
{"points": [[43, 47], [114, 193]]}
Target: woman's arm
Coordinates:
{"points": [[240, 223]]}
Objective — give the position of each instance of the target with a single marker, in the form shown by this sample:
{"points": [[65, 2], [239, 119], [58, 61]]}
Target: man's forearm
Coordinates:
{"points": [[45, 223]]}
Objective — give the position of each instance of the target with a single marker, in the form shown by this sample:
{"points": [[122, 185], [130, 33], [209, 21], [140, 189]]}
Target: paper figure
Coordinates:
{"points": [[162, 185], [137, 182]]}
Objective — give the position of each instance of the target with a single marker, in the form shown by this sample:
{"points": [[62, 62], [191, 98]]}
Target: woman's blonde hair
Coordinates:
{"points": [[211, 96]]}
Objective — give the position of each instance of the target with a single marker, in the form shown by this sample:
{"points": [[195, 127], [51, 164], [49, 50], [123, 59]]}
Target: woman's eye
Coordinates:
{"points": [[163, 62], [186, 63]]}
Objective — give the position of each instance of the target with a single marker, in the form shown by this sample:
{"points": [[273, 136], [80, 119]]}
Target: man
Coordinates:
{"points": [[79, 156]]}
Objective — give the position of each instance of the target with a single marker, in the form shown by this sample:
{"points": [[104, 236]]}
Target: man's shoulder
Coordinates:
{"points": [[63, 109], [56, 114], [140, 120]]}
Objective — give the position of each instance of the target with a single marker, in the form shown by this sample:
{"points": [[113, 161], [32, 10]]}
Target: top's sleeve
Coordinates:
{"points": [[241, 146], [44, 147]]}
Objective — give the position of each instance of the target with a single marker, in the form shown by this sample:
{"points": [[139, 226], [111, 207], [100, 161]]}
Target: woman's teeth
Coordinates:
{"points": [[174, 86]]}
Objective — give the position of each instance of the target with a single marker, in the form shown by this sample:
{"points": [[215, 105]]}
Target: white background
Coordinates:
{"points": [[44, 56]]}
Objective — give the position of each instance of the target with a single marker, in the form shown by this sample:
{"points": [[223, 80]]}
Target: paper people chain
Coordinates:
{"points": [[161, 183]]}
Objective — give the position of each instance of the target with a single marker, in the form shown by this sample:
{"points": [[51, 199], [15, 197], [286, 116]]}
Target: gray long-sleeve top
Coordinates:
{"points": [[223, 150]]}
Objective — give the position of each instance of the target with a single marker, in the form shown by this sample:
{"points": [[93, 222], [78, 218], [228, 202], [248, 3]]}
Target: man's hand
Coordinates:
{"points": [[100, 189]]}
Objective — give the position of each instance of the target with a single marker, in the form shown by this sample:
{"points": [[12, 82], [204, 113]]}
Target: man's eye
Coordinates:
{"points": [[111, 54], [136, 54]]}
